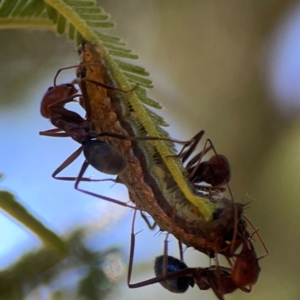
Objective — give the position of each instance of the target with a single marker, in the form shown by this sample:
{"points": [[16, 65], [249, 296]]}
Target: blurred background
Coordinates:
{"points": [[231, 68]]}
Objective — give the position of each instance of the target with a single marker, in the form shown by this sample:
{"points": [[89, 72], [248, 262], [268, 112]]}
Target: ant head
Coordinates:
{"points": [[220, 168], [54, 95], [246, 269]]}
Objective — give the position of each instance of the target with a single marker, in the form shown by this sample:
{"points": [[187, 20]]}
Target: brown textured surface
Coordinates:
{"points": [[165, 203]]}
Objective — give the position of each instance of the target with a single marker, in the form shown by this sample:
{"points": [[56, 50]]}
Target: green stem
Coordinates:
{"points": [[20, 213]]}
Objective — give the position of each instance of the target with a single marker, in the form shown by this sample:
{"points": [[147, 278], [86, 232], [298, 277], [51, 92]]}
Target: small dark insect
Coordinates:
{"points": [[216, 171]]}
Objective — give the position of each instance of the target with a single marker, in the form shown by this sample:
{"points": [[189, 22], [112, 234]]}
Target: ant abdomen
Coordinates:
{"points": [[176, 285], [104, 157]]}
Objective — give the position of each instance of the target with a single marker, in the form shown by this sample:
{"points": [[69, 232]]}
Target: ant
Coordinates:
{"points": [[180, 277], [54, 95], [102, 156], [244, 272], [245, 268], [98, 154], [216, 171], [174, 275]]}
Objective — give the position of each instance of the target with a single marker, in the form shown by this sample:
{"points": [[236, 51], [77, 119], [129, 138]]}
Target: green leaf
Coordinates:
{"points": [[61, 24], [66, 14]]}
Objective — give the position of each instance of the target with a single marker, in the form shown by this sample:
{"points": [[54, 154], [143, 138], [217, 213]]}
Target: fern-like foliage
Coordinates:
{"points": [[83, 19], [78, 19]]}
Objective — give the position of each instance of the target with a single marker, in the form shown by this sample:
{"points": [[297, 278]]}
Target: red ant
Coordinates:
{"points": [[175, 276], [222, 280], [180, 277], [99, 154], [244, 272], [102, 156], [245, 268], [54, 95]]}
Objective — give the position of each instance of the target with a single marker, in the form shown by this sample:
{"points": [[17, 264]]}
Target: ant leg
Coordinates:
{"points": [[219, 279], [58, 134], [235, 229], [131, 255], [185, 272], [80, 178], [142, 213], [165, 260], [67, 162], [197, 138], [199, 157], [215, 286], [259, 237], [192, 143], [229, 261], [54, 132], [134, 138], [63, 101], [150, 226], [180, 251], [85, 99], [72, 67], [107, 87]]}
